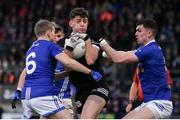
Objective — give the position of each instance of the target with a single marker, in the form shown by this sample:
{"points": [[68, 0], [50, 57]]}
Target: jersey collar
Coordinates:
{"points": [[149, 42]]}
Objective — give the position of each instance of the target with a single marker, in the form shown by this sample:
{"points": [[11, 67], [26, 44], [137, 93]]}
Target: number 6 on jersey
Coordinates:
{"points": [[30, 64]]}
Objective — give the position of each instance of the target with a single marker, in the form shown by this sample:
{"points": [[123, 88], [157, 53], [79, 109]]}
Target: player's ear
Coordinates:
{"points": [[70, 23], [48, 32], [150, 33]]}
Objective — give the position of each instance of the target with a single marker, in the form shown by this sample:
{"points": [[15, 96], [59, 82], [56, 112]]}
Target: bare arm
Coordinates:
{"points": [[71, 63], [132, 95], [119, 56], [21, 79], [68, 52], [133, 91], [91, 54]]}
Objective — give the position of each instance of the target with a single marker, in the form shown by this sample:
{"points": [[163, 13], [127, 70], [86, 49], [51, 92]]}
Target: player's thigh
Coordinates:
{"points": [[130, 115], [47, 106], [96, 101], [28, 112], [80, 100], [92, 107], [63, 114], [144, 113]]}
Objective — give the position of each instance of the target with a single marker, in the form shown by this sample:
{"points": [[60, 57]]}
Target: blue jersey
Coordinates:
{"points": [[63, 86], [40, 67], [152, 72]]}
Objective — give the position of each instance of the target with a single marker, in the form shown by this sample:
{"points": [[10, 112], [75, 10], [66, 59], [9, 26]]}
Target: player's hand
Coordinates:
{"points": [[101, 41], [128, 108], [95, 33], [83, 36], [71, 42], [96, 75], [17, 96]]}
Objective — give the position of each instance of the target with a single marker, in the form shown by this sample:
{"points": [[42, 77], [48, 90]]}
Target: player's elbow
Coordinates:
{"points": [[67, 63], [90, 62]]}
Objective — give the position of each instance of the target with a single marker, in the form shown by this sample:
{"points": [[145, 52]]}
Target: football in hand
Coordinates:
{"points": [[79, 50]]}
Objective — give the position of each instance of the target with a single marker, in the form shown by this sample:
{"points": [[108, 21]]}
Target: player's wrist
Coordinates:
{"points": [[102, 42], [130, 101], [19, 89]]}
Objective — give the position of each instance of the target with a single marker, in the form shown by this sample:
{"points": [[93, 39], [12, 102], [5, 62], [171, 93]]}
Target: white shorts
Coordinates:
{"points": [[44, 106], [67, 102], [160, 108]]}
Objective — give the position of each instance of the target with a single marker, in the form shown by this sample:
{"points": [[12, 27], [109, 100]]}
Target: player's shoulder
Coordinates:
{"points": [[42, 43], [149, 47], [45, 44]]}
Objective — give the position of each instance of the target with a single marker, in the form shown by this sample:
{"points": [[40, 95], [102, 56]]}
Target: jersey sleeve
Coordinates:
{"points": [[143, 53], [55, 49]]}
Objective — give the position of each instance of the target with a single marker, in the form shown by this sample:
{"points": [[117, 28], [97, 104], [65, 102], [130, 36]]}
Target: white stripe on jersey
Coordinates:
{"points": [[28, 93], [64, 87]]}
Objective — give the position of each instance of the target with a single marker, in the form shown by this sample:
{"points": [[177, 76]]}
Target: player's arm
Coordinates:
{"points": [[68, 52], [132, 95], [75, 65], [91, 53], [133, 92], [71, 63], [17, 94], [117, 56], [21, 79]]}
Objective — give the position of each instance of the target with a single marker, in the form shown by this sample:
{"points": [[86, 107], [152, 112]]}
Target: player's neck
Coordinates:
{"points": [[149, 41], [43, 38]]}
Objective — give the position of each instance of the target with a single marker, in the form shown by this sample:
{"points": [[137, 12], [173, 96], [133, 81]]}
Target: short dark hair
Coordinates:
{"points": [[57, 27], [78, 12], [42, 26], [149, 23]]}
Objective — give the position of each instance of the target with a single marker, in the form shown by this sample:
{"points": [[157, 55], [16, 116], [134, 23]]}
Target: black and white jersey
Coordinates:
{"points": [[83, 81]]}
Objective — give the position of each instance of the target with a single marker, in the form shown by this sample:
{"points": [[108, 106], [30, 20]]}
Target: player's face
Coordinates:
{"points": [[142, 34], [58, 36], [79, 24], [51, 34]]}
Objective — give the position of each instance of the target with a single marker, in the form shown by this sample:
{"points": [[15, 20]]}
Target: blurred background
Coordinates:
{"points": [[117, 18]]}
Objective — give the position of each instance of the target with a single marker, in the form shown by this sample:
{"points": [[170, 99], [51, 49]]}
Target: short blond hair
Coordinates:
{"points": [[42, 26]]}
